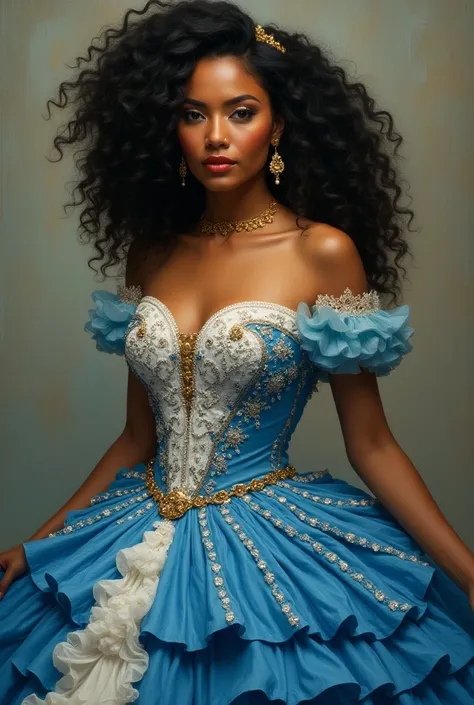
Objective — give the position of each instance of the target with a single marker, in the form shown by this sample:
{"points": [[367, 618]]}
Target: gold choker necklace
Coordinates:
{"points": [[224, 227]]}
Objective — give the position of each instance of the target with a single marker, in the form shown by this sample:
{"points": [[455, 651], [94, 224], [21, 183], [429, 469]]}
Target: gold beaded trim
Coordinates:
{"points": [[141, 330], [176, 503], [262, 36], [368, 302], [187, 347], [224, 227]]}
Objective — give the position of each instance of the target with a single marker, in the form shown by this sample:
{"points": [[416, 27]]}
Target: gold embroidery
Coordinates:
{"points": [[176, 503], [236, 332], [228, 389], [141, 330], [187, 347], [347, 302]]}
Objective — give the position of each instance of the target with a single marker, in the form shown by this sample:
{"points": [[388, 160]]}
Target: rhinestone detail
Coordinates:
{"points": [[347, 302], [106, 513], [129, 294], [326, 500], [330, 556], [215, 566], [262, 565], [346, 535], [104, 496]]}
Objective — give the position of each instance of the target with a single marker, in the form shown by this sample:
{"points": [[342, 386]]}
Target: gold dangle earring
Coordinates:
{"points": [[277, 165], [182, 171]]}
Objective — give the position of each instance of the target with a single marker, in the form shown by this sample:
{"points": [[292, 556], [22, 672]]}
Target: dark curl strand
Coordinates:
{"points": [[340, 152]]}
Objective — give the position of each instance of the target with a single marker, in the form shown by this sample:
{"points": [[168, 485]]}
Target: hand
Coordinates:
{"points": [[470, 593], [13, 562]]}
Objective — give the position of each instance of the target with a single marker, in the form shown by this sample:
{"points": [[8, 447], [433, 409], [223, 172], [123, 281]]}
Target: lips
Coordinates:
{"points": [[218, 160]]}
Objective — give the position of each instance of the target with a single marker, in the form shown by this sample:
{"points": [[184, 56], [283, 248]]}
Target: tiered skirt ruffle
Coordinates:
{"points": [[306, 592]]}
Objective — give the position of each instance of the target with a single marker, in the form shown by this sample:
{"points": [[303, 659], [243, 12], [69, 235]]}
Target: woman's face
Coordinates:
{"points": [[226, 113]]}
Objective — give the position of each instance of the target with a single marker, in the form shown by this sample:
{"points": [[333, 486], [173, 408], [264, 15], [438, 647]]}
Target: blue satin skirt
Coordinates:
{"points": [[307, 592]]}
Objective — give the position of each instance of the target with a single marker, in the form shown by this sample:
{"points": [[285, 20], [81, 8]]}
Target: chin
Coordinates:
{"points": [[220, 184]]}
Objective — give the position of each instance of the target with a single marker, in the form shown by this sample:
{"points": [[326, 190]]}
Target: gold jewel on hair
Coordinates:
{"points": [[224, 227], [262, 36]]}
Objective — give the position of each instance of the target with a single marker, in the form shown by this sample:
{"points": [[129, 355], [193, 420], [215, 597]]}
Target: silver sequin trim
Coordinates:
{"points": [[134, 474], [138, 513], [326, 500], [348, 536], [262, 565], [347, 302], [129, 294], [215, 566], [310, 476], [329, 555], [97, 499], [102, 515]]}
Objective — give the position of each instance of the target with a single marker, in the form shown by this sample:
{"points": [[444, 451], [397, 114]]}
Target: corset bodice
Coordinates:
{"points": [[226, 400]]}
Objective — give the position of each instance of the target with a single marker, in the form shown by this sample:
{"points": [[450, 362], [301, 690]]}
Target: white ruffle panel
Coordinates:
{"points": [[101, 662]]}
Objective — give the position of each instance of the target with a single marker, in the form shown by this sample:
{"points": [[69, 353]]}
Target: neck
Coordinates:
{"points": [[246, 201]]}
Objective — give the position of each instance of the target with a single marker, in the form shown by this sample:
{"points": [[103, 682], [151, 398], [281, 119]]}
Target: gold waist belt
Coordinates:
{"points": [[175, 504]]}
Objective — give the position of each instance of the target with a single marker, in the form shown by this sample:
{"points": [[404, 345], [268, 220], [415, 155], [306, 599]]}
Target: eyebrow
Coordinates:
{"points": [[230, 101]]}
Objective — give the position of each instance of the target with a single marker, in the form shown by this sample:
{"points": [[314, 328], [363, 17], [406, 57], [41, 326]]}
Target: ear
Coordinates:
{"points": [[278, 127]]}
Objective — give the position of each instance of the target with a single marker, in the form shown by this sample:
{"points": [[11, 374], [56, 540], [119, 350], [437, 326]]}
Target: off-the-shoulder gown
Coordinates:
{"points": [[217, 573]]}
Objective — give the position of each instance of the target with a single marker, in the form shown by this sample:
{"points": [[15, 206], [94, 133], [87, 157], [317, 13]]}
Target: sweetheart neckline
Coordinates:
{"points": [[236, 304]]}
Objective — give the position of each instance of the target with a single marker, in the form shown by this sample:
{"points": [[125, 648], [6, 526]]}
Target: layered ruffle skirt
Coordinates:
{"points": [[306, 592]]}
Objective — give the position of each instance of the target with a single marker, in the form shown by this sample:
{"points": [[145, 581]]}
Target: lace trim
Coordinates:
{"points": [[347, 302]]}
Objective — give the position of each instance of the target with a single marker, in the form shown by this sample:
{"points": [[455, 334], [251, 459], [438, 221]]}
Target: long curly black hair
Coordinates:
{"points": [[340, 152]]}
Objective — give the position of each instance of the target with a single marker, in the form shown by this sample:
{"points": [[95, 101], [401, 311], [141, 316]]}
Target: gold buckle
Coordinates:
{"points": [[176, 503]]}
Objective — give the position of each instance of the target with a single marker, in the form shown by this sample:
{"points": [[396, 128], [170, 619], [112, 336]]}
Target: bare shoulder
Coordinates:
{"points": [[325, 243], [334, 259]]}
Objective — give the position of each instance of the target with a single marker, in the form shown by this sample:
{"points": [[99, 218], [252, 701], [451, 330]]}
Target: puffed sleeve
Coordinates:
{"points": [[343, 334], [109, 320]]}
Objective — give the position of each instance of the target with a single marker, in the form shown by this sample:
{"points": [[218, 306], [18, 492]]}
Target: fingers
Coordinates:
{"points": [[7, 579]]}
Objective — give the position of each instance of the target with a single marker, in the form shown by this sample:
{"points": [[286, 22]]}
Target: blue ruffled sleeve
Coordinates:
{"points": [[344, 334], [109, 320]]}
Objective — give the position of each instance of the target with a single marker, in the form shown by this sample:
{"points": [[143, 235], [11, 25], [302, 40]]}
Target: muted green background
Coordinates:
{"points": [[63, 403]]}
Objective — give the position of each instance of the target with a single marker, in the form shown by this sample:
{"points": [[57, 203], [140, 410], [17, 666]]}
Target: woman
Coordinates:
{"points": [[251, 186]]}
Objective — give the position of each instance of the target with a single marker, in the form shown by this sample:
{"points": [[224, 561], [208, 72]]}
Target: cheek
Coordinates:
{"points": [[254, 141], [187, 141]]}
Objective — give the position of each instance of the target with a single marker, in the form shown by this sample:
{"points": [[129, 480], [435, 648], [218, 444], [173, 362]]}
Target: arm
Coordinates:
{"points": [[136, 443], [371, 448]]}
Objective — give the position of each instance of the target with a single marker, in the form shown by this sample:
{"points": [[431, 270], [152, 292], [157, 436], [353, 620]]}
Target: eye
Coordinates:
{"points": [[188, 113], [246, 114]]}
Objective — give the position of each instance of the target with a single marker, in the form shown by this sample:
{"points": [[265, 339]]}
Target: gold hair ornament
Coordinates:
{"points": [[262, 36]]}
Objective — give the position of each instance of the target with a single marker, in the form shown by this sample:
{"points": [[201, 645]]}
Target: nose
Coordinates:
{"points": [[216, 135]]}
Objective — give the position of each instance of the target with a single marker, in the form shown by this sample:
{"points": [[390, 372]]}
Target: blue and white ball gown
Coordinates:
{"points": [[300, 590]]}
